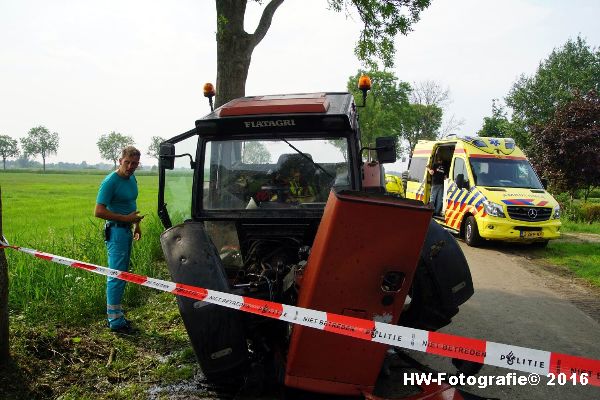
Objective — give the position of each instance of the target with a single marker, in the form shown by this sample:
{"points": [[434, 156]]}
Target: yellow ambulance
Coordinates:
{"points": [[490, 191]]}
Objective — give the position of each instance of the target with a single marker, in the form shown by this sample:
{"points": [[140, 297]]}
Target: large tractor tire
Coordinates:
{"points": [[425, 310], [442, 282]]}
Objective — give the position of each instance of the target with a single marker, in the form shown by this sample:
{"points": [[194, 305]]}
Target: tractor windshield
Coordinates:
{"points": [[273, 173]]}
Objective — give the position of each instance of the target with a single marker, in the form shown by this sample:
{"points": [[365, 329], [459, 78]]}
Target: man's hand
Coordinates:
{"points": [[102, 212], [134, 217], [137, 232]]}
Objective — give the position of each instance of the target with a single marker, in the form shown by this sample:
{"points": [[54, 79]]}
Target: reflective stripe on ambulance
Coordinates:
{"points": [[460, 201]]}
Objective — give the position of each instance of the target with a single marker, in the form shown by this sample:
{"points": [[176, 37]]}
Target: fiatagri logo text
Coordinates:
{"points": [[266, 124]]}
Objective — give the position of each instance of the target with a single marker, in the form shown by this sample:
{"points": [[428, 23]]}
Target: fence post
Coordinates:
{"points": [[4, 344]]}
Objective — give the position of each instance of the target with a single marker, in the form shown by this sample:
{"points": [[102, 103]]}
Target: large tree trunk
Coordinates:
{"points": [[235, 46], [4, 344]]}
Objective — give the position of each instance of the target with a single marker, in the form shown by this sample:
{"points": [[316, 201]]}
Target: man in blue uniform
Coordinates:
{"points": [[116, 203]]}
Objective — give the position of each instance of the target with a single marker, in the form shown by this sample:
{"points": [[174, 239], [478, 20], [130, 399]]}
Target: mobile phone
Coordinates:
{"points": [[106, 232]]}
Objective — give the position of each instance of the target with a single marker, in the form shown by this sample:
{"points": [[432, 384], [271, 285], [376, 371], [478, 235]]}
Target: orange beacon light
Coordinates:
{"points": [[364, 84], [209, 91]]}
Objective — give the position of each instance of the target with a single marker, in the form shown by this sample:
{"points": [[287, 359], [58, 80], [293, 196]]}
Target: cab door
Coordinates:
{"points": [[176, 169], [417, 186]]}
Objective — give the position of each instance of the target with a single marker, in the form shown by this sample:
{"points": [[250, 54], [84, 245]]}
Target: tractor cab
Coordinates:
{"points": [[263, 160]]}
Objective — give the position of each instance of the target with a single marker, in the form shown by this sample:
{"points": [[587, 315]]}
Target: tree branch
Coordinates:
{"points": [[265, 21]]}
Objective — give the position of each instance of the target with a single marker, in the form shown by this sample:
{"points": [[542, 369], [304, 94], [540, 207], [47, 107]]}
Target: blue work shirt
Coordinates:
{"points": [[118, 194]]}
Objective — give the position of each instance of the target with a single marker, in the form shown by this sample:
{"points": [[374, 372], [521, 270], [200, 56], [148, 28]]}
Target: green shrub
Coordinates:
{"points": [[577, 210], [563, 199], [574, 213], [569, 210], [590, 212], [594, 193]]}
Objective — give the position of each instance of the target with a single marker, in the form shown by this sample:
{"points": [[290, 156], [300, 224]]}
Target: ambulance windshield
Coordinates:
{"points": [[499, 172]]}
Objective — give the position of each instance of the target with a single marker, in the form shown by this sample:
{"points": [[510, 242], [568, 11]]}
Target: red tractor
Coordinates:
{"points": [[268, 197]]}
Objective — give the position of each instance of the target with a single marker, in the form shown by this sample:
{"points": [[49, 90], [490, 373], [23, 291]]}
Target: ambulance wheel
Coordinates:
{"points": [[472, 237]]}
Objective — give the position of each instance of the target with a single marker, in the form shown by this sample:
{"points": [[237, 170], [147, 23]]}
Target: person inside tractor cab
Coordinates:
{"points": [[300, 190], [293, 180]]}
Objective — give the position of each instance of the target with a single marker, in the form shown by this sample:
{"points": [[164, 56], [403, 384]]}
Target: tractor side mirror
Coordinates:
{"points": [[386, 149], [166, 158]]}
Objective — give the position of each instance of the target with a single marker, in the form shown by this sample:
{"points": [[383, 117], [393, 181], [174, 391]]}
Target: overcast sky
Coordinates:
{"points": [[86, 68]]}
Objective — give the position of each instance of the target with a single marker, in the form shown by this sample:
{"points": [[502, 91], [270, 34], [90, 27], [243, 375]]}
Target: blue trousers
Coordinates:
{"points": [[437, 194], [119, 253]]}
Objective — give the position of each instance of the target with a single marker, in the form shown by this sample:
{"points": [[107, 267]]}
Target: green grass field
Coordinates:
{"points": [[60, 345], [54, 213], [583, 259], [570, 226]]}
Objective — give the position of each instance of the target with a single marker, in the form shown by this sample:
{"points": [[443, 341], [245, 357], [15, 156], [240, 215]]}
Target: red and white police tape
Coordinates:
{"points": [[481, 351]]}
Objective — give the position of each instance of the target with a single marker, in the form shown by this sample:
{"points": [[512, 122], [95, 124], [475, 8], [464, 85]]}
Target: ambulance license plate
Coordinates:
{"points": [[531, 234]]}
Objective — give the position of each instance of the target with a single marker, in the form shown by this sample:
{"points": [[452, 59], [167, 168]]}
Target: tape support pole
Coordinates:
{"points": [[489, 353]]}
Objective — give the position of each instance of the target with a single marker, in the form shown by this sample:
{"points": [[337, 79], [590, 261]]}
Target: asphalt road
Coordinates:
{"points": [[521, 303]]}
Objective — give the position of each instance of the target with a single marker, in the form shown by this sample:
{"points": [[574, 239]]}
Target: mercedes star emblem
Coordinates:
{"points": [[532, 213]]}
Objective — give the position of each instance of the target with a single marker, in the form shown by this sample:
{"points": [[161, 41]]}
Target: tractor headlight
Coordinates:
{"points": [[493, 209], [556, 213]]}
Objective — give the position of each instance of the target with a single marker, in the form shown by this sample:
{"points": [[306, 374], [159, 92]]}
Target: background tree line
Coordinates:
{"points": [[39, 141]]}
